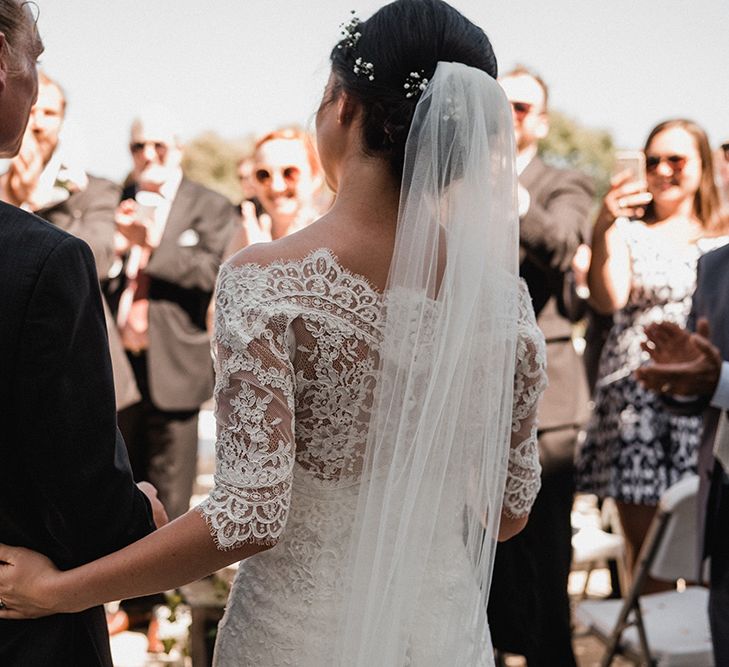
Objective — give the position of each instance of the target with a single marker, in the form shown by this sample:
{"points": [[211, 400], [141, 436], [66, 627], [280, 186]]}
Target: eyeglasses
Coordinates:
{"points": [[675, 162], [725, 148], [159, 146], [521, 109], [290, 175]]}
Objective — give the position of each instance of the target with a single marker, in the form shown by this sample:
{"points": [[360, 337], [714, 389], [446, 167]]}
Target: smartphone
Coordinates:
{"points": [[634, 161]]}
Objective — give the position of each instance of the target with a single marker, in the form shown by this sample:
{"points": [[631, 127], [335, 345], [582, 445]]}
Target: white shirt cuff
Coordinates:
{"points": [[720, 399]]}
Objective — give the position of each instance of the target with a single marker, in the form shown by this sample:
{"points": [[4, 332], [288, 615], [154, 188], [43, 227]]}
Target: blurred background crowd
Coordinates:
{"points": [[609, 243]]}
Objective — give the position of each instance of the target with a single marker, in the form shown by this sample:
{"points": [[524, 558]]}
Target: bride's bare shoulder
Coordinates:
{"points": [[289, 248]]}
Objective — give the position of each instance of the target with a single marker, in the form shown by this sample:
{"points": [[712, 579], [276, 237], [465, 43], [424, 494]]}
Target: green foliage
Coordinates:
{"points": [[572, 145], [211, 160]]}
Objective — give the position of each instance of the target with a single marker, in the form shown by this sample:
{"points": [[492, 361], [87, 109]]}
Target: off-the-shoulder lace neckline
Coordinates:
{"points": [[311, 257]]}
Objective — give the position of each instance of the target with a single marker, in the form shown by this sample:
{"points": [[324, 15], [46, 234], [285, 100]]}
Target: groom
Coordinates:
{"points": [[692, 371], [66, 489]]}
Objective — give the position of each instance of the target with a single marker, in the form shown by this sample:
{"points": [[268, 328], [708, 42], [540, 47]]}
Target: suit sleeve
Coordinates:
{"points": [[551, 229], [95, 224], [196, 266], [76, 457]]}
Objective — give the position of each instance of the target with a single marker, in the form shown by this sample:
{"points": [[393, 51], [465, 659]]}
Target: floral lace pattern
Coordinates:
{"points": [[296, 352], [530, 380]]}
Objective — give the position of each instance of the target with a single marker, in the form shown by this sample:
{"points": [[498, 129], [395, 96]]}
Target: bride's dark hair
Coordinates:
{"points": [[403, 37]]}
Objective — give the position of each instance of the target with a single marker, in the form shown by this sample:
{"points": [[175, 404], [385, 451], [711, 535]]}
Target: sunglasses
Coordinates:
{"points": [[675, 162], [139, 146], [521, 109], [725, 148], [290, 175]]}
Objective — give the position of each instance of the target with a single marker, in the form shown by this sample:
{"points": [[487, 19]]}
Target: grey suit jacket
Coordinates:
{"points": [[550, 232], [183, 270], [89, 215]]}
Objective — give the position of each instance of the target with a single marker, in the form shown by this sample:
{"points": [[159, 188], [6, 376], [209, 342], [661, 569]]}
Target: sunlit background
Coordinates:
{"points": [[237, 67]]}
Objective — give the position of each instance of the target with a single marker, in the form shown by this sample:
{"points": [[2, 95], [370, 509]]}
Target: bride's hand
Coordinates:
{"points": [[27, 584]]}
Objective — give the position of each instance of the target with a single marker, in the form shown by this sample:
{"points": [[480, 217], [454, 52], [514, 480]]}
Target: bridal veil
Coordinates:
{"points": [[435, 463]]}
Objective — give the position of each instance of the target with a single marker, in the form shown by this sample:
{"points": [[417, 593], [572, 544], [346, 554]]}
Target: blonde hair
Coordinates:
{"points": [[292, 134]]}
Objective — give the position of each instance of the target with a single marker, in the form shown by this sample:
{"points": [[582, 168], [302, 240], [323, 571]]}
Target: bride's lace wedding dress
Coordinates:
{"points": [[296, 363]]}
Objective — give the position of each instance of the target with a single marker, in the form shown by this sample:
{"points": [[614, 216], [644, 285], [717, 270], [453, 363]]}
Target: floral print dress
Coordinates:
{"points": [[634, 447]]}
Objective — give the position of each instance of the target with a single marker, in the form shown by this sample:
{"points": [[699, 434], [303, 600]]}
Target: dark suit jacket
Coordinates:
{"points": [[710, 300], [66, 488], [550, 232], [183, 270], [89, 214]]}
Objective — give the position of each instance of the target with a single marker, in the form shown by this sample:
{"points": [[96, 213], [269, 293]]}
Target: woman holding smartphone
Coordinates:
{"points": [[647, 239]]}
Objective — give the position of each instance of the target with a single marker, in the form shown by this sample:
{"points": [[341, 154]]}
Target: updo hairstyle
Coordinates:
{"points": [[403, 37]]}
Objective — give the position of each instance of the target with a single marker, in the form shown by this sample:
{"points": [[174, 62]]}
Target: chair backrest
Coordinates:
{"points": [[676, 555]]}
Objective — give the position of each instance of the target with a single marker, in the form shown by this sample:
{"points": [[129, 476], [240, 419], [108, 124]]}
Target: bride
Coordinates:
{"points": [[377, 380]]}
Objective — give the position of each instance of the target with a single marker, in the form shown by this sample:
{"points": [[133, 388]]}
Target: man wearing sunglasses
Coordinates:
{"points": [[171, 233], [529, 606]]}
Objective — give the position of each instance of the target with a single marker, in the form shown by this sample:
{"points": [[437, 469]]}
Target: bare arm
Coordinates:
{"points": [[610, 274], [180, 552]]}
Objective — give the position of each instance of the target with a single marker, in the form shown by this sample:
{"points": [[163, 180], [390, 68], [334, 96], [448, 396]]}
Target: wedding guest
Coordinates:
{"points": [[646, 242], [377, 373], [172, 243], [244, 169], [65, 483], [695, 368], [285, 182], [529, 607], [42, 180]]}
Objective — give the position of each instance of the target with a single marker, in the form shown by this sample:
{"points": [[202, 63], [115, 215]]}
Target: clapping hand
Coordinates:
{"points": [[253, 229], [129, 225], [257, 228], [686, 364]]}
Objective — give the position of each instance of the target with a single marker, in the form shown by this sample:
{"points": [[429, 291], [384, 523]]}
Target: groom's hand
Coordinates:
{"points": [[158, 509]]}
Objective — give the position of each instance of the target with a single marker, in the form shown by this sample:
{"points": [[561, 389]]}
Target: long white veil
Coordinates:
{"points": [[435, 465]]}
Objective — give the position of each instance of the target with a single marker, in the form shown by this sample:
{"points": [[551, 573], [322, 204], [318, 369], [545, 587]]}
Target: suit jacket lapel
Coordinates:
{"points": [[532, 174]]}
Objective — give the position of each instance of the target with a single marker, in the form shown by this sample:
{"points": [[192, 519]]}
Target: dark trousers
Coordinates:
{"points": [[529, 609], [719, 585], [162, 444]]}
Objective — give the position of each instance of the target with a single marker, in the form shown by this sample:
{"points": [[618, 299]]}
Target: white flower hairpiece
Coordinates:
{"points": [[350, 37], [364, 68], [350, 34], [415, 84]]}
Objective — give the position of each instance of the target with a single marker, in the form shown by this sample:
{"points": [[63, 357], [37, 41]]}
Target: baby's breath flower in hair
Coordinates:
{"points": [[415, 83]]}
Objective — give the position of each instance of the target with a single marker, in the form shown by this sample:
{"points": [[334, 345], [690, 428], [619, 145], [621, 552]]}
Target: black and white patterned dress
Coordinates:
{"points": [[634, 448]]}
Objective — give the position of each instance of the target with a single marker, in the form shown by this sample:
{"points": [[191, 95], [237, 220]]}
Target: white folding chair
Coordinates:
{"points": [[662, 629], [594, 546]]}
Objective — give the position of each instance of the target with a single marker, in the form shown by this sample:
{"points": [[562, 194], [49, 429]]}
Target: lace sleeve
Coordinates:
{"points": [[523, 476], [254, 408]]}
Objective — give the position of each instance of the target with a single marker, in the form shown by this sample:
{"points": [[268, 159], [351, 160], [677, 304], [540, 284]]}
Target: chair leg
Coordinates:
{"points": [[588, 574]]}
